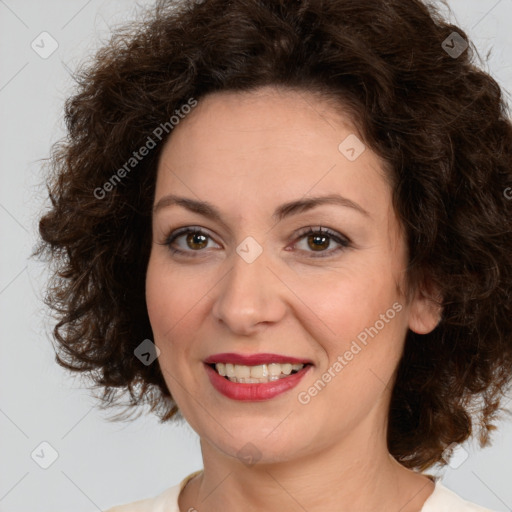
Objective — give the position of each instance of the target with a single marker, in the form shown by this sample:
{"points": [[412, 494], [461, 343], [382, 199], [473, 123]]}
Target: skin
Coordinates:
{"points": [[247, 153]]}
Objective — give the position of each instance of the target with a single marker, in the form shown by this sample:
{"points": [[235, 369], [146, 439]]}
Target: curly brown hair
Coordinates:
{"points": [[439, 122]]}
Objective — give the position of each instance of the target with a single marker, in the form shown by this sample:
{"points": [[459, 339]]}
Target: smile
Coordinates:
{"points": [[259, 374], [255, 377]]}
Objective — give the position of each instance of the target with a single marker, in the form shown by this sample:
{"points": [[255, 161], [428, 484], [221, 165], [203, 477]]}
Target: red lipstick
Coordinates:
{"points": [[253, 359], [254, 391]]}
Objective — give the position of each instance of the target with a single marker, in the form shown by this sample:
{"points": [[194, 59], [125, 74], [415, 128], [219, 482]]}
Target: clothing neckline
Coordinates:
{"points": [[438, 486]]}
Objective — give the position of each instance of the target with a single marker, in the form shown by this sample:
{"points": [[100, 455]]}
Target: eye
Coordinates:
{"points": [[196, 239], [319, 239]]}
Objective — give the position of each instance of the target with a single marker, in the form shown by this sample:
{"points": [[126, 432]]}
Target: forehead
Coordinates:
{"points": [[268, 145]]}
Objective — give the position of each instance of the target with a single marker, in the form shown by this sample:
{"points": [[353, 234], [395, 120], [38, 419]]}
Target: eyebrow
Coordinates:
{"points": [[285, 210]]}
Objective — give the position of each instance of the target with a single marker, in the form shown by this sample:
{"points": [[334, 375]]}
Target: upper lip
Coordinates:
{"points": [[253, 359]]}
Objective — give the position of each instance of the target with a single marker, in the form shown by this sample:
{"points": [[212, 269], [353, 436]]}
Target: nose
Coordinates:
{"points": [[250, 296]]}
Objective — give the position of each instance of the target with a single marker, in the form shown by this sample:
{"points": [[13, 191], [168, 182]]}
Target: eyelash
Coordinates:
{"points": [[341, 240]]}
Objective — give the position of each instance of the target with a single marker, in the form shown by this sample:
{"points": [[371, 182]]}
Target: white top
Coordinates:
{"points": [[441, 500]]}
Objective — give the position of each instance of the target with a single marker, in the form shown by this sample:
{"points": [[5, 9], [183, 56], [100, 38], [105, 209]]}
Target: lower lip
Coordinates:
{"points": [[254, 392]]}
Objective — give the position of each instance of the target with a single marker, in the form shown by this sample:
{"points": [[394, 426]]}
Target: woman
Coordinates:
{"points": [[288, 223]]}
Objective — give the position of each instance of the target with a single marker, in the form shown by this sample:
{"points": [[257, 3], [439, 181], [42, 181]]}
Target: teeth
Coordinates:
{"points": [[274, 369], [256, 374]]}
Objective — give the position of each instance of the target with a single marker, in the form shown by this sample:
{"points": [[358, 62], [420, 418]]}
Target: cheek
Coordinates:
{"points": [[170, 296], [166, 306], [167, 302], [359, 352], [362, 327], [158, 298], [349, 302], [175, 298]]}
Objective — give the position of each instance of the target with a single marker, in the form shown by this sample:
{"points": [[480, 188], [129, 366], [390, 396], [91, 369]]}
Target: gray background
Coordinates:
{"points": [[101, 463]]}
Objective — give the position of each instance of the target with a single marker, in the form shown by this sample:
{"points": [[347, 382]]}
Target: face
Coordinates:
{"points": [[318, 284]]}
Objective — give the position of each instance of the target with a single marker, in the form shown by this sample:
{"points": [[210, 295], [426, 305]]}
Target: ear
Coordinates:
{"points": [[425, 309]]}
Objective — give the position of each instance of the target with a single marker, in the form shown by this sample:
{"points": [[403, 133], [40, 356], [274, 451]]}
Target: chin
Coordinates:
{"points": [[260, 444]]}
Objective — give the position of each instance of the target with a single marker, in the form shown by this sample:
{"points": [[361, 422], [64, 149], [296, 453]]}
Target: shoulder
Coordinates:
{"points": [[445, 500], [166, 501]]}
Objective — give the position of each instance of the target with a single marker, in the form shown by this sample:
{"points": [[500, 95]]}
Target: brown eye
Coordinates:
{"points": [[317, 242], [319, 239], [196, 239]]}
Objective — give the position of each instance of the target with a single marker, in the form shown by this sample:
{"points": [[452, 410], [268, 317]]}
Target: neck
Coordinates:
{"points": [[348, 477]]}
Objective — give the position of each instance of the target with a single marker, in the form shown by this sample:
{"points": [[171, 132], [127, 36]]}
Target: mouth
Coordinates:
{"points": [[254, 377], [257, 374]]}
